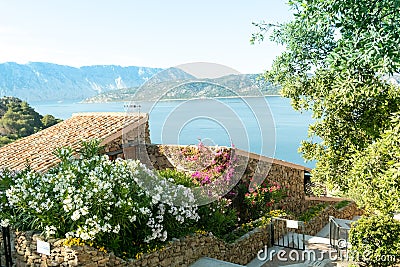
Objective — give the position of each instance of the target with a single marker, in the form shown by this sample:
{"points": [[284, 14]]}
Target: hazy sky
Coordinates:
{"points": [[152, 33]]}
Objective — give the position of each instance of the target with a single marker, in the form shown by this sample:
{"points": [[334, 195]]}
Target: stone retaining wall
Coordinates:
{"points": [[185, 251], [179, 252], [317, 223], [286, 174]]}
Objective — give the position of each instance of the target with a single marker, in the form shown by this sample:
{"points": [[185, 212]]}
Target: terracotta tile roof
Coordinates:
{"points": [[37, 149]]}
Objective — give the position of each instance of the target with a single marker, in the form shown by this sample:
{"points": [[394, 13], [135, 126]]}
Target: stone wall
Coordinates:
{"points": [[178, 252], [317, 223], [61, 255], [286, 174], [126, 145], [290, 176], [185, 251]]}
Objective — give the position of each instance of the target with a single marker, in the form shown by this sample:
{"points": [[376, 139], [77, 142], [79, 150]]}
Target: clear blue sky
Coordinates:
{"points": [[154, 33]]}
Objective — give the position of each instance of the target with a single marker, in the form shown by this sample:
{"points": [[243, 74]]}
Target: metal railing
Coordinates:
{"points": [[5, 248], [338, 236], [287, 233]]}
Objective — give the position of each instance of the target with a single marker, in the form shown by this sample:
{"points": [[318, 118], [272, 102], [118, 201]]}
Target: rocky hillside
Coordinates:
{"points": [[39, 81], [18, 119], [191, 87]]}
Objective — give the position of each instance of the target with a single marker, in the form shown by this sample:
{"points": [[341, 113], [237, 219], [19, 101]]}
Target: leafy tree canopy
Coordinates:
{"points": [[18, 119], [339, 56], [375, 178], [49, 120]]}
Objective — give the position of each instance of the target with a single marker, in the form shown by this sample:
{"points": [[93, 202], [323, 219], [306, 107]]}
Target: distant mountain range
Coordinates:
{"points": [[40, 81], [191, 87]]}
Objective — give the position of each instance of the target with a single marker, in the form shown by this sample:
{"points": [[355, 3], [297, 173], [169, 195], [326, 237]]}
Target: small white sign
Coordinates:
{"points": [[43, 247], [292, 224]]}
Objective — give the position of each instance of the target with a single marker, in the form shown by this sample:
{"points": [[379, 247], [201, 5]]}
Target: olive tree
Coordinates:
{"points": [[340, 61]]}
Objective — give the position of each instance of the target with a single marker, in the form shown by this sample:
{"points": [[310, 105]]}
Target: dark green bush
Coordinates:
{"points": [[375, 240], [218, 217], [341, 204], [178, 177], [312, 212]]}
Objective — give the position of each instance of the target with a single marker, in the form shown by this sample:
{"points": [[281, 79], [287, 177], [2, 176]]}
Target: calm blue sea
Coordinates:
{"points": [[267, 126]]}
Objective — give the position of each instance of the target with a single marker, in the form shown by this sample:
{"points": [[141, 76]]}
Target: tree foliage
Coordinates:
{"points": [[49, 120], [339, 56], [18, 119], [375, 241], [375, 178]]}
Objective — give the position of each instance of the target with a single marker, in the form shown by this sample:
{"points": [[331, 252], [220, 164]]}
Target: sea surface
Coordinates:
{"points": [[263, 125]]}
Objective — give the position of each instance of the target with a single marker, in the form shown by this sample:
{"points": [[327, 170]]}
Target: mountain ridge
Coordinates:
{"points": [[233, 85], [42, 81]]}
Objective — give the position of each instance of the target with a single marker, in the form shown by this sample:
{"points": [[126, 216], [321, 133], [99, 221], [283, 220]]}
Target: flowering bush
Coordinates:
{"points": [[214, 171], [124, 207], [261, 199], [220, 165], [191, 158], [239, 200], [218, 174], [95, 199], [218, 217]]}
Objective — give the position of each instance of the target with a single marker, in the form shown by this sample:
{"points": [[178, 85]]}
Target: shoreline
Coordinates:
{"points": [[179, 99]]}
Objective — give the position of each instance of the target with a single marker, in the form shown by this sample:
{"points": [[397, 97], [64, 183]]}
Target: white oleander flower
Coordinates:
{"points": [[50, 230], [116, 229], [5, 223], [76, 215]]}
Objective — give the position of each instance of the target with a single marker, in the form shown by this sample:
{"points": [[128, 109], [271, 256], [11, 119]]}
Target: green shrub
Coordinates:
{"points": [[112, 204], [218, 217], [312, 212], [245, 228], [178, 177], [375, 240], [341, 204]]}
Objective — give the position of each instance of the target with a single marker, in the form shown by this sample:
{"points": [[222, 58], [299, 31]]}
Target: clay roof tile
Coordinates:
{"points": [[37, 149]]}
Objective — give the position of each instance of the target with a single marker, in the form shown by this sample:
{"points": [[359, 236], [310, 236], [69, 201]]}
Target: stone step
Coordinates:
{"points": [[210, 262], [260, 261], [317, 263], [344, 223]]}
